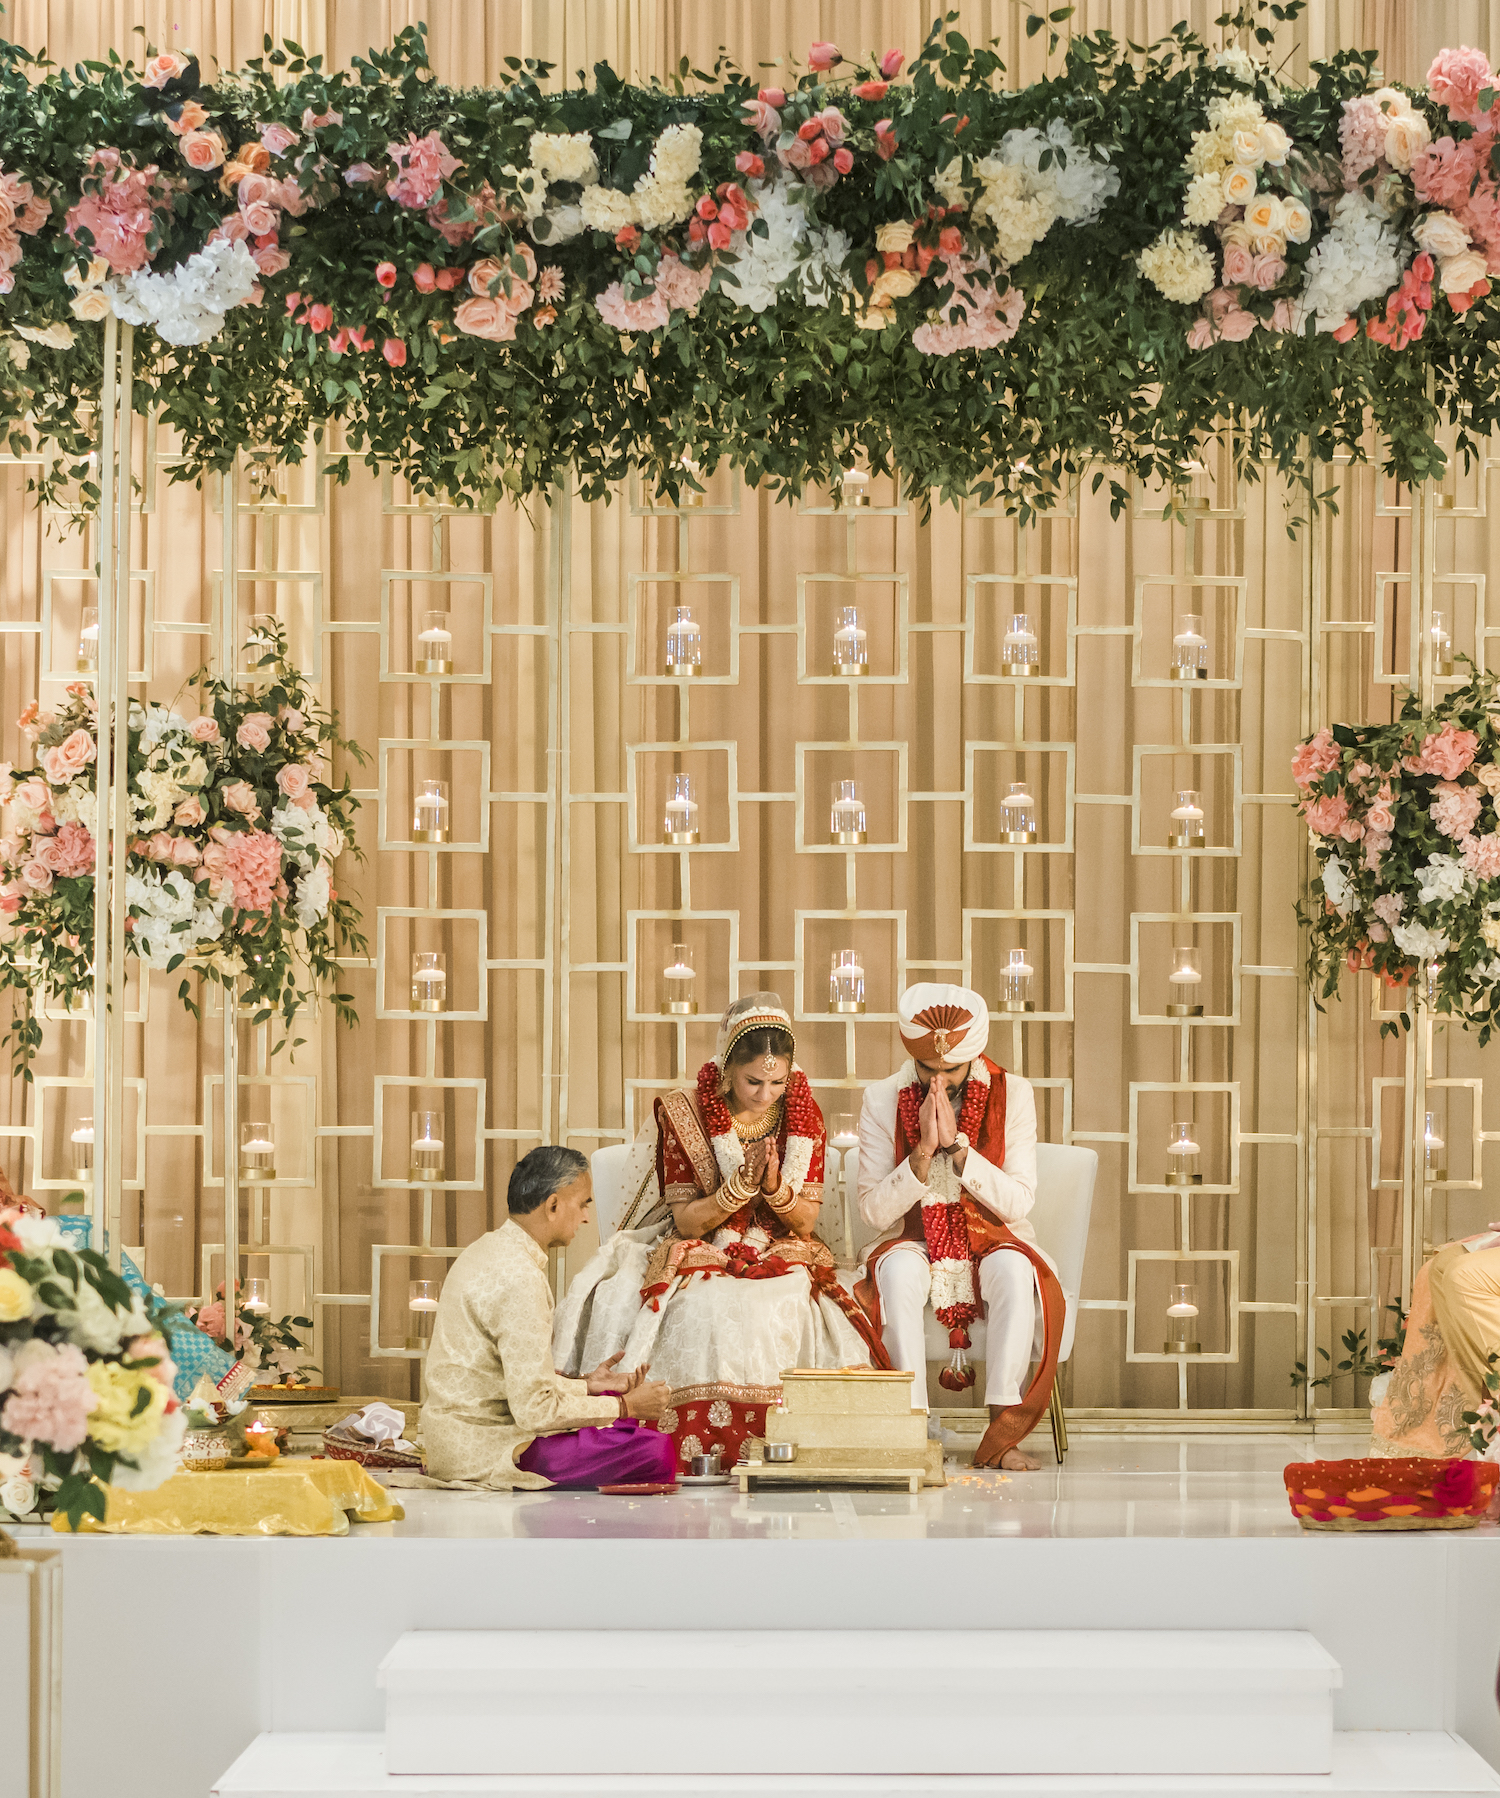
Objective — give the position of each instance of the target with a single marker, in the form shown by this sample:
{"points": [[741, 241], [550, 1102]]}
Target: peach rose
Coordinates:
{"points": [[68, 759], [189, 813], [191, 117], [91, 305], [239, 796], [1239, 186], [184, 852], [255, 732], [204, 730], [485, 318], [294, 779], [1296, 221], [164, 68], [202, 149], [159, 848], [1263, 216], [486, 277], [214, 860]]}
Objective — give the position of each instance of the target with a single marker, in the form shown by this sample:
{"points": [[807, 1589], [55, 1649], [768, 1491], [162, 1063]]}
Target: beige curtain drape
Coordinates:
{"points": [[563, 747]]}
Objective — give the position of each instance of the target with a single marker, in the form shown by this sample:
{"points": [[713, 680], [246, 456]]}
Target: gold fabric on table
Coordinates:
{"points": [[288, 1498]]}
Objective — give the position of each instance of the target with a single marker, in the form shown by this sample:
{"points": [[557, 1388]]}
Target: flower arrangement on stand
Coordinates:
{"points": [[234, 830], [259, 1341], [1405, 824], [85, 1379]]}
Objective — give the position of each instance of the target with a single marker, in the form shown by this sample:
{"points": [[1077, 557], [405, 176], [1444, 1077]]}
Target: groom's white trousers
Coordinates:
{"points": [[1007, 1284]]}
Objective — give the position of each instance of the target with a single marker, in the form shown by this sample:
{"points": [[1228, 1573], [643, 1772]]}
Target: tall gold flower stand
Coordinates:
{"points": [[284, 1498], [851, 1426]]}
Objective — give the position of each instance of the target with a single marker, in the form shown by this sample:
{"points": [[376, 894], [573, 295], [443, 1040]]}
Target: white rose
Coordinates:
{"points": [[1393, 100], [1239, 186], [1457, 274], [566, 222], [18, 1495], [90, 304], [1405, 139], [1245, 148], [896, 235], [1440, 235], [1296, 221], [1275, 145], [98, 269]]}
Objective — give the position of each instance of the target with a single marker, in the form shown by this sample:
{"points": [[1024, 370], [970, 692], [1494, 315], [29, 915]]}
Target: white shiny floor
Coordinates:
{"points": [[1207, 1487]]}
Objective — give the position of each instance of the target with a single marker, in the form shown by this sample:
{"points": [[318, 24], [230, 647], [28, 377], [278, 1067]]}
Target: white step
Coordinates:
{"points": [[859, 1702], [1365, 1765]]}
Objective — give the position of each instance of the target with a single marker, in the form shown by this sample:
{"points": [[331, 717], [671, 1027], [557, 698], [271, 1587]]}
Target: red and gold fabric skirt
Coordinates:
{"points": [[706, 1420]]}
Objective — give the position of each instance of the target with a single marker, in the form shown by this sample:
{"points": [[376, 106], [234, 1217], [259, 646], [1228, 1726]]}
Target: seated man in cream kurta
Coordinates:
{"points": [[498, 1413]]}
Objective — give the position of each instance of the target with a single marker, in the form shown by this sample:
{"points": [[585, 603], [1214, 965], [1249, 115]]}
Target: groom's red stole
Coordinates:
{"points": [[987, 1234]]}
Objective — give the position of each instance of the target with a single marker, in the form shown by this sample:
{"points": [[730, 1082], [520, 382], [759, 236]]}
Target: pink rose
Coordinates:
{"points": [[260, 219], [256, 190], [1237, 325], [871, 90], [255, 732], [184, 852], [168, 66], [272, 259], [832, 121], [65, 761], [764, 120], [189, 813], [1267, 271], [315, 121], [424, 277], [292, 720], [489, 319], [1200, 334], [277, 138], [204, 730], [159, 849], [33, 795], [890, 63], [37, 875], [1325, 815], [153, 1349], [201, 150], [822, 56], [1380, 818], [239, 796], [214, 860], [394, 351], [1282, 317], [1346, 330], [294, 779], [843, 159]]}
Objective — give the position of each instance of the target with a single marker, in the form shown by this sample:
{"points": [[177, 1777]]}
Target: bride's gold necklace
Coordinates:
{"points": [[765, 1125]]}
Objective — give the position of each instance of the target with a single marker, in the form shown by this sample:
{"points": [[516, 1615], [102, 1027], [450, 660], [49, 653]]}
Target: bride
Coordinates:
{"points": [[716, 1278]]}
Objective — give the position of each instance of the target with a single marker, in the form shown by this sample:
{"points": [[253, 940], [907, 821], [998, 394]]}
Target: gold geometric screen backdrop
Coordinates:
{"points": [[556, 902]]}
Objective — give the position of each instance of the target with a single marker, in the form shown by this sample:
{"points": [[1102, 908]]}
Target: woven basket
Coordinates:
{"points": [[1406, 1494], [339, 1447]]}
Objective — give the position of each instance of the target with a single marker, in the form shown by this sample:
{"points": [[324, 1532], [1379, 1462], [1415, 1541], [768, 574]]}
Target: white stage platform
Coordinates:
{"points": [[213, 1642]]}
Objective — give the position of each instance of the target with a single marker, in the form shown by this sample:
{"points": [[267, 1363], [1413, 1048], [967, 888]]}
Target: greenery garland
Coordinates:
{"points": [[305, 239]]}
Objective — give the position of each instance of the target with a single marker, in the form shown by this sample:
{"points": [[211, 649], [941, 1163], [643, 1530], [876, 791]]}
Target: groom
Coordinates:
{"points": [[947, 1167]]}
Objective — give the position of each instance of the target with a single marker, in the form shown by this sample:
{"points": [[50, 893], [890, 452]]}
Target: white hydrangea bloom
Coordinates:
{"points": [[1422, 944], [306, 836], [678, 155], [605, 209], [1444, 877], [1076, 182], [559, 156], [949, 182], [1358, 260], [790, 248], [312, 896], [188, 304], [660, 204], [1337, 886]]}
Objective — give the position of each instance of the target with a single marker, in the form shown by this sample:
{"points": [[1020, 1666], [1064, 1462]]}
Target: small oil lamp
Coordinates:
{"points": [[688, 472], [431, 813], [1182, 1311], [843, 1132], [851, 647], [1020, 648], [255, 1295], [1187, 821], [257, 1153], [846, 818], [88, 641], [1182, 1157], [1015, 983], [846, 982], [854, 487], [426, 1148], [1442, 645], [680, 814], [429, 980], [1434, 1151], [421, 1314], [1185, 980], [684, 644], [434, 645], [1189, 648], [680, 976], [82, 1144], [1018, 809]]}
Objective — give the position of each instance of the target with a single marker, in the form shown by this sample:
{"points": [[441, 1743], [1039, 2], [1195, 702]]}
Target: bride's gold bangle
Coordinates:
{"points": [[783, 1201]]}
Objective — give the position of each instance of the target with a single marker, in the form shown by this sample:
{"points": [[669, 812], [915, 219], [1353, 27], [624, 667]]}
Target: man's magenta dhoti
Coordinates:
{"points": [[626, 1453]]}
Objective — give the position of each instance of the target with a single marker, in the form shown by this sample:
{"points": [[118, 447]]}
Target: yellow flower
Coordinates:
{"points": [[896, 235], [15, 1296], [115, 1423]]}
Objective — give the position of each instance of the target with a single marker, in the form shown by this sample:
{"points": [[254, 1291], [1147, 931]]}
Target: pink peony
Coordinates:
{"points": [[252, 864], [1482, 854], [1454, 808], [204, 730], [1325, 815], [1455, 80], [294, 779], [120, 215], [1319, 755], [423, 164], [682, 287], [255, 732], [70, 853], [50, 1397], [277, 138], [239, 796], [989, 318], [1448, 752], [648, 314]]}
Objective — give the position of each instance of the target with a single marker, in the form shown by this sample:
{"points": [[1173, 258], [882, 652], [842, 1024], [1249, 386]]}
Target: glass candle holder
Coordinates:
{"points": [[431, 812], [846, 817], [678, 982], [688, 473], [1431, 974], [421, 1314], [426, 1147], [434, 645], [680, 813], [843, 1131], [1434, 1150], [1186, 830], [429, 980], [854, 488], [851, 645], [1015, 983], [1189, 648], [1182, 1157], [260, 648], [1018, 814], [255, 1295], [257, 1153], [1442, 645], [1182, 1316], [88, 641], [1184, 983], [846, 981], [1020, 648], [684, 644], [81, 1143]]}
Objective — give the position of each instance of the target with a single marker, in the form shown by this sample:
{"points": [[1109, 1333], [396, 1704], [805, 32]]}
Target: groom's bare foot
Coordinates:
{"points": [[1015, 1460]]}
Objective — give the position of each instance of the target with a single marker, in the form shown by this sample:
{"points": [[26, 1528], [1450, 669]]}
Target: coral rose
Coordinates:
{"points": [[190, 116], [822, 56], [394, 351], [202, 149]]}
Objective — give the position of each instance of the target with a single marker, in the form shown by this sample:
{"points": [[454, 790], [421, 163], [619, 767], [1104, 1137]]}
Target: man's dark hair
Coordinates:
{"points": [[541, 1173]]}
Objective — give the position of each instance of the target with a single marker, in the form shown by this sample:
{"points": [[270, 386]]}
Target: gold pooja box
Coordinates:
{"points": [[852, 1426]]}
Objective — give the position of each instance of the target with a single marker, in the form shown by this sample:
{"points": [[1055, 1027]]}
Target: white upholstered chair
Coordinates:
{"points": [[607, 1167], [1064, 1198]]}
